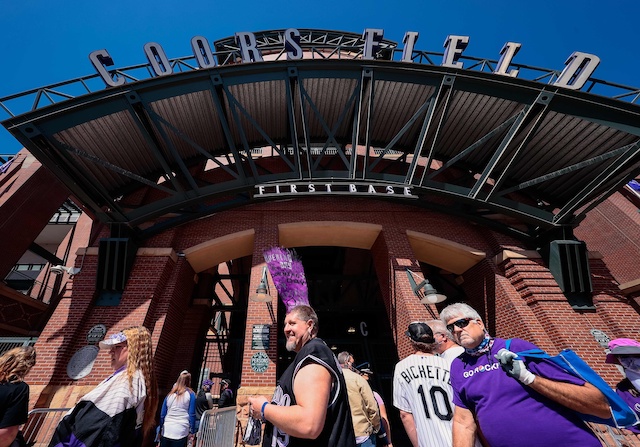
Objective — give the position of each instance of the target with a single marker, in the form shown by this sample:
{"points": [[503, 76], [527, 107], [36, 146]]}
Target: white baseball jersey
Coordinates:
{"points": [[421, 386]]}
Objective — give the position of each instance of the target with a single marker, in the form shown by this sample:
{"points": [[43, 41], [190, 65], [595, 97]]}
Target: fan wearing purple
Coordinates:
{"points": [[510, 402]]}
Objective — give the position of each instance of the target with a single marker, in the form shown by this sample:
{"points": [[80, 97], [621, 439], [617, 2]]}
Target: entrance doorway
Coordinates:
{"points": [[345, 293], [219, 352]]}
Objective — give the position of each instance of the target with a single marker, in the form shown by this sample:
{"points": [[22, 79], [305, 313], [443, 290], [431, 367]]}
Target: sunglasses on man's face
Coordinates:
{"points": [[461, 323]]}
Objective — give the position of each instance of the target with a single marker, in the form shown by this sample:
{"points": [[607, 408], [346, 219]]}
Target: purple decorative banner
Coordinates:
{"points": [[287, 273]]}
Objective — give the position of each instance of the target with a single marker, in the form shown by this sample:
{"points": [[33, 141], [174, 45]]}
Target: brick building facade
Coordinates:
{"points": [[510, 286]]}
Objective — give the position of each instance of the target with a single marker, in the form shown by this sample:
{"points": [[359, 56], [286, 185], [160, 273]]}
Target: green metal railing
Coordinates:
{"points": [[34, 99]]}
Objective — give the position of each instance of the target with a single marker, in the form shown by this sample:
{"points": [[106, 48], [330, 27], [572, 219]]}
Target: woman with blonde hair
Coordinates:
{"points": [[121, 409], [14, 392], [178, 414], [140, 358]]}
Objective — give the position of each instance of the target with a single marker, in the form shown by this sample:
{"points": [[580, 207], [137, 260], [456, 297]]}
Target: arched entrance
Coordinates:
{"points": [[346, 265], [344, 291]]}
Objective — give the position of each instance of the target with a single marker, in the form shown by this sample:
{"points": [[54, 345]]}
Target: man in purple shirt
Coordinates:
{"points": [[626, 353], [507, 402]]}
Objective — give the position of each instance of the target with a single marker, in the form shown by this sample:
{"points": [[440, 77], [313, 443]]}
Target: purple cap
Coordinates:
{"points": [[622, 346], [115, 339]]}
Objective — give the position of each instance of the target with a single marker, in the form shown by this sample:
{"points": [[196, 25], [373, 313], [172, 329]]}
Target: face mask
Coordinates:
{"points": [[485, 346], [630, 363], [634, 377]]}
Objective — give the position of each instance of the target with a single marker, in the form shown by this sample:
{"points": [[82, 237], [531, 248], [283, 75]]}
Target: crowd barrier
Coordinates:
{"points": [[614, 437], [217, 428]]}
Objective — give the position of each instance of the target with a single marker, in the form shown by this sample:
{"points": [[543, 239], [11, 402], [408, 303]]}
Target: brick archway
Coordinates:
{"points": [[445, 254], [329, 233], [215, 251]]}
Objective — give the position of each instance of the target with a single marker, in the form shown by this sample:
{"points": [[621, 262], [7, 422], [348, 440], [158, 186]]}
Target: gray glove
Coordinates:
{"points": [[514, 368]]}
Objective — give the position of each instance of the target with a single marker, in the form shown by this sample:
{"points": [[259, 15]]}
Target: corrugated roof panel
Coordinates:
{"points": [[193, 115], [394, 104], [115, 139], [462, 110], [265, 102], [567, 186], [330, 96], [471, 117], [560, 138], [561, 142], [77, 139], [490, 114]]}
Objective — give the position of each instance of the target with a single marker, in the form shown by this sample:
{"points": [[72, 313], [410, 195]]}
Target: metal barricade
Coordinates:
{"points": [[614, 437], [40, 425], [217, 428]]}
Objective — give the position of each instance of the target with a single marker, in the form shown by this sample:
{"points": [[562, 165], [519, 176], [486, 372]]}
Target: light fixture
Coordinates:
{"points": [[262, 292], [60, 269], [351, 330], [424, 290]]}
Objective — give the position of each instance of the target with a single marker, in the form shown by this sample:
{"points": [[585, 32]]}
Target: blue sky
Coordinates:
{"points": [[43, 42]]}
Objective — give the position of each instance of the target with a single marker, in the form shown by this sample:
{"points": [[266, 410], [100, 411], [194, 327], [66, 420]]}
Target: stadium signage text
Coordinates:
{"points": [[578, 68], [353, 189]]}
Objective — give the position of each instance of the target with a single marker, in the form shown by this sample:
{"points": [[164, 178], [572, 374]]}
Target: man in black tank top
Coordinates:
{"points": [[310, 406]]}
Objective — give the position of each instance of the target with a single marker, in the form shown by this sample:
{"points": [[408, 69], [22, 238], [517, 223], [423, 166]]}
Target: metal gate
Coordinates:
{"points": [[217, 428]]}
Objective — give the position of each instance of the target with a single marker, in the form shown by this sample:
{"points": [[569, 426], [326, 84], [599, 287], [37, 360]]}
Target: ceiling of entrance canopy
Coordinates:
{"points": [[511, 152]]}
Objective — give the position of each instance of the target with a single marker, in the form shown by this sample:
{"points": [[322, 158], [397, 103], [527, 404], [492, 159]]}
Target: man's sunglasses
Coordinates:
{"points": [[461, 323]]}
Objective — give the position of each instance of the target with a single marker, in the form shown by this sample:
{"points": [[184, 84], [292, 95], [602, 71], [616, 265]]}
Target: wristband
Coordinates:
{"points": [[262, 411]]}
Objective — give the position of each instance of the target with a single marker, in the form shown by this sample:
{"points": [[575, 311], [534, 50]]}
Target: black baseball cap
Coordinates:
{"points": [[420, 332]]}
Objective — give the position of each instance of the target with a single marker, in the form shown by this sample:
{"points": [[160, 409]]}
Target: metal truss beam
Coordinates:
{"points": [[621, 163], [481, 175], [533, 112]]}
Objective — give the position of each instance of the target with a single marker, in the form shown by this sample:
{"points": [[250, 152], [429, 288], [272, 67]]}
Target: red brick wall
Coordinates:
{"points": [[261, 313], [392, 255], [613, 229], [530, 305], [174, 322]]}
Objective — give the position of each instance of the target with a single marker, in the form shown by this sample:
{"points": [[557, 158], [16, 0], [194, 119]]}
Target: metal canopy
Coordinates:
{"points": [[520, 156]]}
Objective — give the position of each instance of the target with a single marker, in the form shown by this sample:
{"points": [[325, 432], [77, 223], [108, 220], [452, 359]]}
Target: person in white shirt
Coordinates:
{"points": [[178, 415], [445, 346], [422, 391]]}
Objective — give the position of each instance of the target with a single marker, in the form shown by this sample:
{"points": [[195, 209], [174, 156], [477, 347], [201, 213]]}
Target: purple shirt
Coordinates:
{"points": [[510, 413], [631, 396]]}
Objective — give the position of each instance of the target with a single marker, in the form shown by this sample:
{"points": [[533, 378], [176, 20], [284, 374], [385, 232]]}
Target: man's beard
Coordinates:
{"points": [[291, 345]]}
